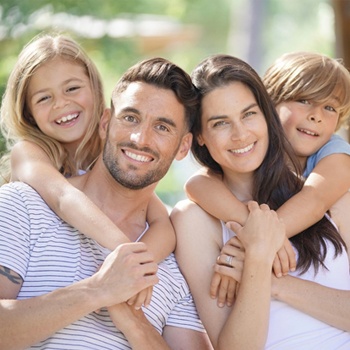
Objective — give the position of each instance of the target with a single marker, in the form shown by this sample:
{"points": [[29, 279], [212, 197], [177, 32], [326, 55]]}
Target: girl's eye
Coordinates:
{"points": [[304, 102], [42, 99], [73, 88]]}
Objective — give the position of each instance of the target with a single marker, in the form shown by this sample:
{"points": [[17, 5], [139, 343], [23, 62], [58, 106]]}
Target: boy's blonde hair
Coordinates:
{"points": [[16, 121], [309, 76]]}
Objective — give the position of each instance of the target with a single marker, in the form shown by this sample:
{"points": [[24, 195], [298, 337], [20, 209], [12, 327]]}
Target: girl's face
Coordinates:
{"points": [[234, 128], [308, 126], [60, 99]]}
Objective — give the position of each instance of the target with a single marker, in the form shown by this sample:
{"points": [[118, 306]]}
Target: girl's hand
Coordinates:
{"points": [[142, 298]]}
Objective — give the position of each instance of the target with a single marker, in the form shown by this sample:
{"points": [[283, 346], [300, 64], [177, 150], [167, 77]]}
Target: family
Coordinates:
{"points": [[256, 258]]}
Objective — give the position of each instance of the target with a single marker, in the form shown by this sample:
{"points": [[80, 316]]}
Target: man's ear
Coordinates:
{"points": [[185, 146], [104, 122]]}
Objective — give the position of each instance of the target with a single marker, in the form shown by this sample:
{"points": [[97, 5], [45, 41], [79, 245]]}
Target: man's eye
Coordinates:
{"points": [[163, 127], [129, 118]]}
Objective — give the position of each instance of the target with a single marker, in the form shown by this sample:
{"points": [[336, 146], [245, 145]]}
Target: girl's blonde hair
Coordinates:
{"points": [[16, 121], [310, 76]]}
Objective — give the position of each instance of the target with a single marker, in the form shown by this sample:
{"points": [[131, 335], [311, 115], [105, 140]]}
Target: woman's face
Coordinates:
{"points": [[234, 128]]}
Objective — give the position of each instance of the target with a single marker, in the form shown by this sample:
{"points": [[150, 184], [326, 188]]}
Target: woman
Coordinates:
{"points": [[239, 136]]}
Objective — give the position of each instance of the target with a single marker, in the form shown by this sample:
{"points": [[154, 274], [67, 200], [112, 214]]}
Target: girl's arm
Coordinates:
{"points": [[160, 238], [207, 190], [327, 183], [30, 164]]}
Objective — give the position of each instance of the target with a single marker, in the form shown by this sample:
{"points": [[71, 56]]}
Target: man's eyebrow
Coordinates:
{"points": [[130, 109], [167, 121]]}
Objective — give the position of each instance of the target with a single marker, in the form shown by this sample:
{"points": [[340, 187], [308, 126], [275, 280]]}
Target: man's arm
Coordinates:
{"points": [[125, 272], [141, 334]]}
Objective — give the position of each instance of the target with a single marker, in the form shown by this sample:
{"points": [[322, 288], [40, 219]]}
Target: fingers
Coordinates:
{"points": [[214, 285], [142, 298]]}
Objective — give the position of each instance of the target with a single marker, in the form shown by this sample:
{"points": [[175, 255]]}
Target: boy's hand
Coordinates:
{"points": [[285, 260], [227, 272]]}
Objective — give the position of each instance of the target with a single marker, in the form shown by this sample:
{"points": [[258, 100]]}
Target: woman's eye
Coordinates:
{"points": [[219, 123], [249, 113]]}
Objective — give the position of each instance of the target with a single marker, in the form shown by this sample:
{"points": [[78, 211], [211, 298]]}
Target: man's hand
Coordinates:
{"points": [[126, 271]]}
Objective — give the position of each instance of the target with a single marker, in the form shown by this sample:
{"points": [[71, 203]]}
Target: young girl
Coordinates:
{"points": [[50, 117], [311, 93]]}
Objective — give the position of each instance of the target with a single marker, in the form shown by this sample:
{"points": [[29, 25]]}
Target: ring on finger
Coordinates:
{"points": [[228, 260]]}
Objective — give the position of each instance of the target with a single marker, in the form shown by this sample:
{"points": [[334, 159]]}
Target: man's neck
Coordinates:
{"points": [[125, 207]]}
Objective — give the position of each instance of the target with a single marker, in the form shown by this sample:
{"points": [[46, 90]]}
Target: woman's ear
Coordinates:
{"points": [[104, 122], [185, 146], [200, 140]]}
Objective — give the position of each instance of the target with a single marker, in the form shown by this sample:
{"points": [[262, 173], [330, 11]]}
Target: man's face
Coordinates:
{"points": [[146, 133]]}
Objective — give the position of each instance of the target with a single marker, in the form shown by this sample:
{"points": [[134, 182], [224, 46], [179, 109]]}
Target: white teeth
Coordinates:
{"points": [[308, 132], [67, 118], [243, 150], [137, 157]]}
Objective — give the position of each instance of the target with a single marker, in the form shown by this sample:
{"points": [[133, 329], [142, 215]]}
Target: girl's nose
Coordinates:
{"points": [[60, 102]]}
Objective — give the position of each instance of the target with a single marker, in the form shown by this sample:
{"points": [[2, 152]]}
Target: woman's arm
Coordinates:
{"points": [[160, 238], [30, 164], [207, 190], [199, 240], [328, 182]]}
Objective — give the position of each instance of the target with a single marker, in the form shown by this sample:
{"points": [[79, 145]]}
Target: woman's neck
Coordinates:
{"points": [[241, 185]]}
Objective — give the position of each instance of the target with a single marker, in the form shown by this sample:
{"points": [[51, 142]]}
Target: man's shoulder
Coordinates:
{"points": [[20, 194]]}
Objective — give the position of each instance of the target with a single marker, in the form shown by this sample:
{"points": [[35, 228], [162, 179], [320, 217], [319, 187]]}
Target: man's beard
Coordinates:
{"points": [[127, 178]]}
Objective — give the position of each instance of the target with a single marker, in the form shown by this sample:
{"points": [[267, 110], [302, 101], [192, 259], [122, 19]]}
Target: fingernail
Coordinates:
{"points": [[279, 275], [221, 305]]}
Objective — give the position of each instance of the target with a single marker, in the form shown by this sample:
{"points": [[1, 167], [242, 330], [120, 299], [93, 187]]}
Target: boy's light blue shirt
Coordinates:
{"points": [[336, 144]]}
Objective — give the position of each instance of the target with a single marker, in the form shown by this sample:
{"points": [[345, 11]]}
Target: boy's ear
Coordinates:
{"points": [[185, 146], [104, 122]]}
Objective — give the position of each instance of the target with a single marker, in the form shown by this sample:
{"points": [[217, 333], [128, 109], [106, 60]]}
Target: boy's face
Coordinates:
{"points": [[308, 126]]}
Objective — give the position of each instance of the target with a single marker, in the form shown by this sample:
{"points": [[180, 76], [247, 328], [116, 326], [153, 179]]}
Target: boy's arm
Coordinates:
{"points": [[30, 164], [328, 182], [207, 190], [160, 238]]}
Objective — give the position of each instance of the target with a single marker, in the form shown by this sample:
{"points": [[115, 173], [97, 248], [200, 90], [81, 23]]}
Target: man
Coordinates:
{"points": [[51, 282]]}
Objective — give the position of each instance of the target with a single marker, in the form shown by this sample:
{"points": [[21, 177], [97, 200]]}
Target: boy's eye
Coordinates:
{"points": [[304, 102], [330, 108]]}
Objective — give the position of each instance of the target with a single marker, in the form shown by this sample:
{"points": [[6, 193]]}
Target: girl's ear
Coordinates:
{"points": [[104, 122], [185, 146]]}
